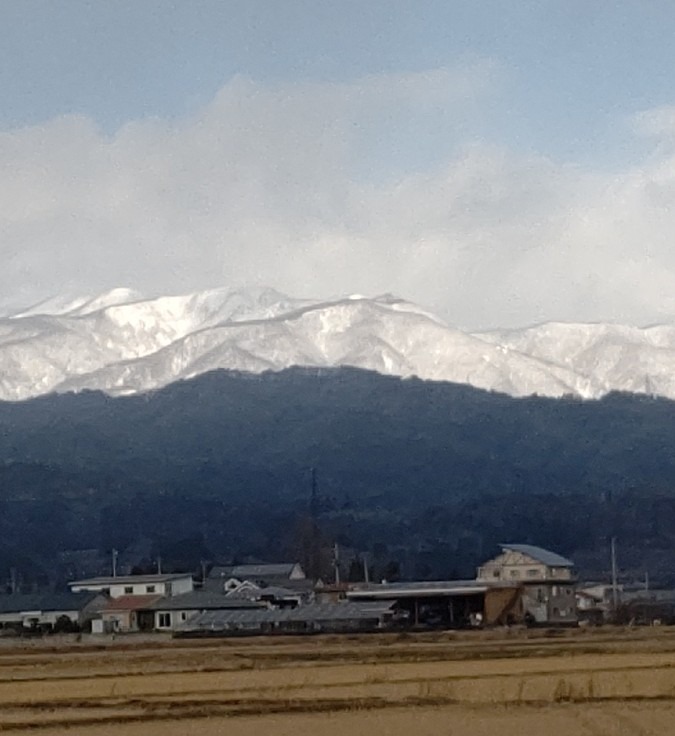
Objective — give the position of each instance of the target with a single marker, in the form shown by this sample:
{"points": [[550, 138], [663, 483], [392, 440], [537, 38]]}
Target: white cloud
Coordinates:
{"points": [[310, 188], [658, 122]]}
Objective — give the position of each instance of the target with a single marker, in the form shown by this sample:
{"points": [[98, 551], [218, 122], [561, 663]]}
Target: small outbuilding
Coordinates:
{"points": [[45, 611]]}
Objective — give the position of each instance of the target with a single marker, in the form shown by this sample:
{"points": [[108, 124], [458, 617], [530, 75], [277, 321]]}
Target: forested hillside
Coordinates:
{"points": [[425, 476]]}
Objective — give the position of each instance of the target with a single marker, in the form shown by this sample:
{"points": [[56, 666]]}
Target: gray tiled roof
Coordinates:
{"points": [[18, 602], [252, 572], [546, 557], [201, 601], [215, 620]]}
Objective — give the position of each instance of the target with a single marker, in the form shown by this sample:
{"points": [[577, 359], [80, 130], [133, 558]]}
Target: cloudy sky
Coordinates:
{"points": [[501, 163]]}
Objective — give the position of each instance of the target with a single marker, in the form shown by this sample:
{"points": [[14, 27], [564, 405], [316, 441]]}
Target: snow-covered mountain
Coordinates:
{"points": [[122, 343]]}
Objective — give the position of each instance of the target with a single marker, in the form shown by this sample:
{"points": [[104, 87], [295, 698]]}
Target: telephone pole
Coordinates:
{"points": [[615, 589]]}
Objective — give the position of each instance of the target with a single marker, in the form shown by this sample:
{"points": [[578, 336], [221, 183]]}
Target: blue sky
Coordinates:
{"points": [[283, 140]]}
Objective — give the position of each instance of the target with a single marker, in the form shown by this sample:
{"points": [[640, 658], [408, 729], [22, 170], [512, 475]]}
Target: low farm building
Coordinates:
{"points": [[446, 603], [44, 610]]}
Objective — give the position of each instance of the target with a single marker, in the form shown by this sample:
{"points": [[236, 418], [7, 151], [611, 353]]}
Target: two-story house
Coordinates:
{"points": [[547, 580]]}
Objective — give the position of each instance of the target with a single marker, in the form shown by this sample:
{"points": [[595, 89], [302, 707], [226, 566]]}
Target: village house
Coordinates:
{"points": [[129, 598], [546, 578], [172, 612]]}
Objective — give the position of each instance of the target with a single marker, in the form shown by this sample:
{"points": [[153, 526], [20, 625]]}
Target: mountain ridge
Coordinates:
{"points": [[122, 343]]}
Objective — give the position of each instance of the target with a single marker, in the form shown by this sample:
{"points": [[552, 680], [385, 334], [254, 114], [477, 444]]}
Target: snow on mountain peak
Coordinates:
{"points": [[121, 342]]}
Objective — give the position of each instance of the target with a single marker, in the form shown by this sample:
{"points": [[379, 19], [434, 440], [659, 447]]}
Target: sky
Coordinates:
{"points": [[500, 163]]}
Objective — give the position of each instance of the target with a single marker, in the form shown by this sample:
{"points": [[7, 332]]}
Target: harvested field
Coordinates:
{"points": [[609, 681]]}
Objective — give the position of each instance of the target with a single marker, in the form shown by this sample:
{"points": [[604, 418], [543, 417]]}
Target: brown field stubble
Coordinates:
{"points": [[602, 682]]}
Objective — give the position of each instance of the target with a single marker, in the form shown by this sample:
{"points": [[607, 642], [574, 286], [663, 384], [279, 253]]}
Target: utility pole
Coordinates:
{"points": [[615, 590], [114, 563], [314, 499], [315, 553], [336, 562], [366, 576], [159, 564], [646, 581]]}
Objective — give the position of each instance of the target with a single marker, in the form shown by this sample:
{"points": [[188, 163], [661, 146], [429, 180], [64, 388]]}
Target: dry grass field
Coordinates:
{"points": [[610, 681]]}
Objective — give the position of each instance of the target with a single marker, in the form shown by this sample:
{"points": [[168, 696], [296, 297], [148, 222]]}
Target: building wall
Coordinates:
{"points": [[119, 620], [551, 603], [170, 620], [117, 590], [503, 605], [27, 618]]}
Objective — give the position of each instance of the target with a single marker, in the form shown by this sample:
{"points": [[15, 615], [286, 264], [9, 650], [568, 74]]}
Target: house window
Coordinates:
{"points": [[514, 573], [128, 589], [149, 588], [496, 574], [164, 621], [532, 573], [183, 615]]}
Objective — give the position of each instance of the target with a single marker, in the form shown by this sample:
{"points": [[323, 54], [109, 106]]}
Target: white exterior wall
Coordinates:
{"points": [[517, 567], [117, 591], [147, 587], [175, 619], [182, 585]]}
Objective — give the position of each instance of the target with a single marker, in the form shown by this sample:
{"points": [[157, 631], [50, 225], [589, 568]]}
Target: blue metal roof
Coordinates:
{"points": [[545, 556]]}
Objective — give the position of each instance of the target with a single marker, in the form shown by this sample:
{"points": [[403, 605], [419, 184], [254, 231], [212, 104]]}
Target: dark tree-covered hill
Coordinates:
{"points": [[428, 475]]}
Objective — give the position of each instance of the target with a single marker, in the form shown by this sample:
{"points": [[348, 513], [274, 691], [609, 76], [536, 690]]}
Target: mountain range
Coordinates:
{"points": [[122, 343]]}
